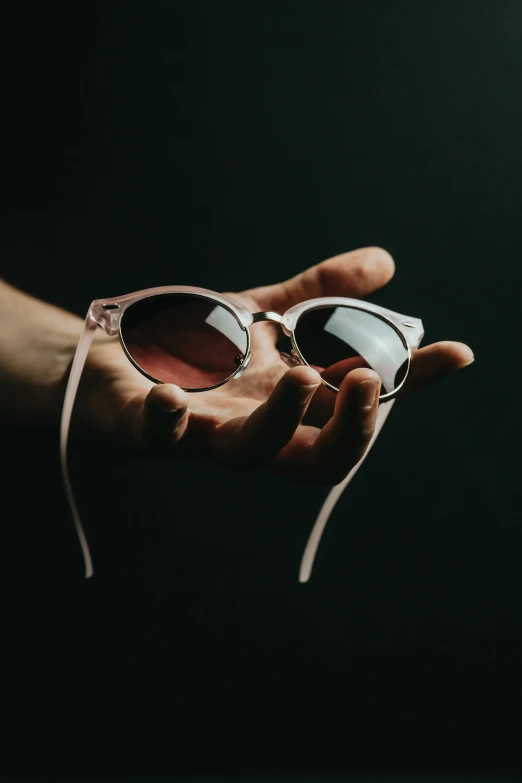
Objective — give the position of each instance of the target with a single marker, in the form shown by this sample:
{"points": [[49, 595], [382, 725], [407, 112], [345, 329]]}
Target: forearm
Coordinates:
{"points": [[37, 344]]}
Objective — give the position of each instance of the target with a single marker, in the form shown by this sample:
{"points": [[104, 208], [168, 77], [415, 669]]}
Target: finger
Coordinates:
{"points": [[164, 416], [322, 405], [339, 446], [260, 436], [434, 361], [355, 274]]}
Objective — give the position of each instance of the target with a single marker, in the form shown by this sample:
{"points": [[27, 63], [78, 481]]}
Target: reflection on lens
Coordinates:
{"points": [[184, 339], [336, 340]]}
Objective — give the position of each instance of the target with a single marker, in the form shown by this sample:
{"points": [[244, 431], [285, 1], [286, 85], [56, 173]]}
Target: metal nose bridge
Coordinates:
{"points": [[267, 316]]}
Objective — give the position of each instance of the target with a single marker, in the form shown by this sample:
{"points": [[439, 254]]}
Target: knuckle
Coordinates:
{"points": [[359, 270], [322, 276]]}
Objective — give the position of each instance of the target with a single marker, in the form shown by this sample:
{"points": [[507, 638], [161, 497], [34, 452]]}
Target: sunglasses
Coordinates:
{"points": [[200, 340]]}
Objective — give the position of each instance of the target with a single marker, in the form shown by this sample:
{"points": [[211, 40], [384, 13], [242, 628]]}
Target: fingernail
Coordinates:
{"points": [[367, 392], [470, 360], [310, 387]]}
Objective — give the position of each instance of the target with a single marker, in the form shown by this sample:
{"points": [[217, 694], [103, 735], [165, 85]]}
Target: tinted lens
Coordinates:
{"points": [[335, 340], [184, 339]]}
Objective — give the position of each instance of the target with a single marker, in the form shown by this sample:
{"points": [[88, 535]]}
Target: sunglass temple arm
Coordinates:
{"points": [[332, 498], [70, 394]]}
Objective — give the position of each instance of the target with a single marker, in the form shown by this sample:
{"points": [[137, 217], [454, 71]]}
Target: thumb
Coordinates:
{"points": [[165, 416]]}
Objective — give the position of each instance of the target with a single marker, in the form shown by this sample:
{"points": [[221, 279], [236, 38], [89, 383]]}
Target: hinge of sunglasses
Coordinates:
{"points": [[108, 317], [243, 367]]}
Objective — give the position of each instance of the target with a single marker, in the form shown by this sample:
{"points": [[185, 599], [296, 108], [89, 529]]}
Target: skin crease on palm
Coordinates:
{"points": [[270, 417]]}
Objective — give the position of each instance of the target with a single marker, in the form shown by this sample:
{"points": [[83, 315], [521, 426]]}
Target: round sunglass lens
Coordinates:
{"points": [[184, 339], [336, 340]]}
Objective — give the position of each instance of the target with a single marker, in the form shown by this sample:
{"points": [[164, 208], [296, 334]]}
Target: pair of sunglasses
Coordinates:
{"points": [[200, 340]]}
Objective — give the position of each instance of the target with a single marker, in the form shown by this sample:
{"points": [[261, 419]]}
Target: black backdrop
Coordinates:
{"points": [[226, 145]]}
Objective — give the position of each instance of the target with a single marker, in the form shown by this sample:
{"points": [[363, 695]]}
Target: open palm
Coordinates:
{"points": [[271, 416]]}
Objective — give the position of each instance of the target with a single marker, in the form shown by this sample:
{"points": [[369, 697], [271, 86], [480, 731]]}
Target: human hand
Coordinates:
{"points": [[284, 420]]}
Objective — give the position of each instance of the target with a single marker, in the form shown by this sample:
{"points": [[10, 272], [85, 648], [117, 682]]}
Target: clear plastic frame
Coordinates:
{"points": [[109, 314]]}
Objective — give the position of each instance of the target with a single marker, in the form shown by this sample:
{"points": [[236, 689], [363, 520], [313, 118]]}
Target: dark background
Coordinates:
{"points": [[227, 145]]}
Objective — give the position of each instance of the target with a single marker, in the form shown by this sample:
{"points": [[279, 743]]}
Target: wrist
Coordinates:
{"points": [[37, 344], [33, 388]]}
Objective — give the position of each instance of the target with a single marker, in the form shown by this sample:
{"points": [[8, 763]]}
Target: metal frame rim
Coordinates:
{"points": [[191, 295], [383, 397]]}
